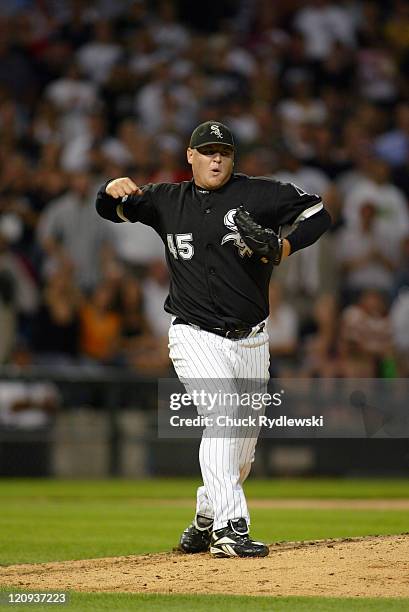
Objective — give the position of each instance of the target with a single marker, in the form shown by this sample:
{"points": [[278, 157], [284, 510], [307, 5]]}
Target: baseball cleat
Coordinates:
{"points": [[234, 541], [196, 537]]}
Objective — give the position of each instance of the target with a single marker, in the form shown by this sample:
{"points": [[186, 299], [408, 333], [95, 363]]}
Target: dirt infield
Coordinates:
{"points": [[353, 567]]}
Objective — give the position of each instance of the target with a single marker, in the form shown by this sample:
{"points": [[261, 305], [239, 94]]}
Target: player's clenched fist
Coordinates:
{"points": [[120, 187]]}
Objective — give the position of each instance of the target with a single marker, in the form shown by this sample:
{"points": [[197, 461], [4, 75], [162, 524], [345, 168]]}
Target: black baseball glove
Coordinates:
{"points": [[262, 240]]}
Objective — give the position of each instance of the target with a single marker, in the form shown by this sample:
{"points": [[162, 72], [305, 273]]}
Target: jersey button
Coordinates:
{"points": [[209, 246], [208, 210], [212, 271]]}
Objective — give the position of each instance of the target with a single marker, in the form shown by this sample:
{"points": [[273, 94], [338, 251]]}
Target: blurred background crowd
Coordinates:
{"points": [[316, 94]]}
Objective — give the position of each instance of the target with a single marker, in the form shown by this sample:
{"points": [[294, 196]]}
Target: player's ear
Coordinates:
{"points": [[189, 155]]}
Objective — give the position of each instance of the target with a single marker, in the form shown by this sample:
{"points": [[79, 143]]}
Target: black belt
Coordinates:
{"points": [[232, 334]]}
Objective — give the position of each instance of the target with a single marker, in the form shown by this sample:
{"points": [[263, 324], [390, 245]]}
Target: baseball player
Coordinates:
{"points": [[221, 232]]}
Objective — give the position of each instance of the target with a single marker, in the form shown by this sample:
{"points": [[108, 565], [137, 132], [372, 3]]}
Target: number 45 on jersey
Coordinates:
{"points": [[181, 245]]}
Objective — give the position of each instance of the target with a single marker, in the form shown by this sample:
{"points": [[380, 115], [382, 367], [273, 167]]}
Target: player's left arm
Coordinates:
{"points": [[292, 207], [305, 212]]}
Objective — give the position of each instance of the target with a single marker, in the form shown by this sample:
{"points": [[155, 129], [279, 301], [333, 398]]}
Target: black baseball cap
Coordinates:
{"points": [[211, 132]]}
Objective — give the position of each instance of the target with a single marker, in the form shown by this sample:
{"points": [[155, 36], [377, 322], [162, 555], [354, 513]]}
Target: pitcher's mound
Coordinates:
{"points": [[351, 567]]}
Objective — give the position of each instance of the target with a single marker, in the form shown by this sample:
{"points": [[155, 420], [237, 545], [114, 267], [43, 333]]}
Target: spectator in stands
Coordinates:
{"points": [[85, 151], [393, 146], [70, 235], [366, 341], [135, 330], [140, 348], [46, 124], [282, 328], [100, 330], [307, 178], [377, 75], [258, 161], [169, 35], [129, 146], [170, 165], [19, 288], [56, 331], [136, 246], [323, 23], [328, 155], [242, 122], [72, 94], [97, 56], [367, 253], [311, 281], [300, 113], [377, 188], [155, 288]]}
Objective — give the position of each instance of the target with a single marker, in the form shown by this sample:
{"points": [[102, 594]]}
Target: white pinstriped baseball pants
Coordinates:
{"points": [[225, 462]]}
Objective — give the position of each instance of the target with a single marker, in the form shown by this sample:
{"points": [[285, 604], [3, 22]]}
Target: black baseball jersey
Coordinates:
{"points": [[215, 279]]}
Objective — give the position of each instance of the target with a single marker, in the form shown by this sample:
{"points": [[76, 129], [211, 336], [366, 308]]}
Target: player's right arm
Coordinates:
{"points": [[120, 200], [121, 187]]}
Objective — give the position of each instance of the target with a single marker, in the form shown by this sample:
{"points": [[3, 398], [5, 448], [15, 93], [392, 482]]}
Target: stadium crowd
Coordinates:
{"points": [[315, 93]]}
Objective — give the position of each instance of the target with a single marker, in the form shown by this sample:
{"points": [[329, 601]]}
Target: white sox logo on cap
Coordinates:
{"points": [[214, 129], [211, 132]]}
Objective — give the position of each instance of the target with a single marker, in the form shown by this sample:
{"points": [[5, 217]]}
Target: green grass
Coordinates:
{"points": [[216, 603], [50, 530], [172, 488], [48, 520]]}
